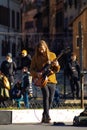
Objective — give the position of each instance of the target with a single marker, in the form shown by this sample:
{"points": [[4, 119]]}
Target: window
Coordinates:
{"points": [[13, 49], [66, 23], [57, 1], [71, 18], [18, 21], [29, 25], [59, 19], [75, 1], [77, 41], [5, 47], [4, 16], [13, 19], [70, 3], [65, 6]]}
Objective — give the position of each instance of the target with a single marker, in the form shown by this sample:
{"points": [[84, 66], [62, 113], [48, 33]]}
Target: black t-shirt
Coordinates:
{"points": [[26, 61]]}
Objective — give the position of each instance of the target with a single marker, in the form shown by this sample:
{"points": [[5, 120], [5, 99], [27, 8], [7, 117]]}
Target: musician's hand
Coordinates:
{"points": [[46, 78], [55, 66], [55, 63], [39, 74], [51, 71]]}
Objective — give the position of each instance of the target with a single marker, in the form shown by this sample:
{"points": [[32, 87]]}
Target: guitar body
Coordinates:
{"points": [[46, 71], [40, 82]]}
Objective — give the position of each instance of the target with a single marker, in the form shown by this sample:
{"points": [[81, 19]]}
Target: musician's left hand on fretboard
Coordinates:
{"points": [[55, 63]]}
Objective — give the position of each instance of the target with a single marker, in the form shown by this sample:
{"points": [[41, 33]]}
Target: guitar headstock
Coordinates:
{"points": [[66, 50]]}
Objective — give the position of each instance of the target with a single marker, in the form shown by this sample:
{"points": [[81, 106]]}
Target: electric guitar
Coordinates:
{"points": [[46, 71]]}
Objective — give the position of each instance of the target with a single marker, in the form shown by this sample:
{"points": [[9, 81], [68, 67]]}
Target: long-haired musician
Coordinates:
{"points": [[44, 76]]}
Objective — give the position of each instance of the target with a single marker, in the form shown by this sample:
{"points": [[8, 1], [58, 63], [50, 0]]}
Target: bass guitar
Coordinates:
{"points": [[46, 71]]}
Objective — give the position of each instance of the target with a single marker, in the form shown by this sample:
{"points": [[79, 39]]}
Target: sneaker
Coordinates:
{"points": [[45, 120]]}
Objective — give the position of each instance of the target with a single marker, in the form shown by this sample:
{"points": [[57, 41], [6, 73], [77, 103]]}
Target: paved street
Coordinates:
{"points": [[40, 127]]}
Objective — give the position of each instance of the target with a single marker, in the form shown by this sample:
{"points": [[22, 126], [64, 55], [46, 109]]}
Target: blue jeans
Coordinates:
{"points": [[18, 102], [26, 99], [56, 97]]}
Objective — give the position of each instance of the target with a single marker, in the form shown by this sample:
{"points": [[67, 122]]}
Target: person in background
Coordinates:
{"points": [[25, 59], [4, 92], [25, 62], [42, 57], [56, 100], [16, 94], [8, 68], [74, 75], [26, 86]]}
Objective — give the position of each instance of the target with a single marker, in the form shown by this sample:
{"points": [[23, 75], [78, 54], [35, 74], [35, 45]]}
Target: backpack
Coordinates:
{"points": [[4, 82], [4, 86], [81, 119]]}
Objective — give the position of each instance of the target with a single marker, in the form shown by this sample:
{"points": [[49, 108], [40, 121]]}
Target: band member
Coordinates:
{"points": [[41, 61]]}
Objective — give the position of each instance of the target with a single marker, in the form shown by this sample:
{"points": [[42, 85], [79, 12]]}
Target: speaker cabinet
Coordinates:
{"points": [[5, 117]]}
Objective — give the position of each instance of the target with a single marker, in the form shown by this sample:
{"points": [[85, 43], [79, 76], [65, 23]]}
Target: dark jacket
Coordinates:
{"points": [[8, 68], [16, 91], [74, 69], [26, 61], [27, 83]]}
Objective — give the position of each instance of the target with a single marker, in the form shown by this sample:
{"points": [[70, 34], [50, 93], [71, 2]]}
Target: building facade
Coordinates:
{"points": [[72, 9], [80, 37], [10, 26]]}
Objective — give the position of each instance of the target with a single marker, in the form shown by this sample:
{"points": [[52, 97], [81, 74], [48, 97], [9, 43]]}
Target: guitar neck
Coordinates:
{"points": [[60, 55], [57, 57], [48, 65]]}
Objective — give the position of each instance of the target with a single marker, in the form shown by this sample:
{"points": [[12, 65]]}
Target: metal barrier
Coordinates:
{"points": [[64, 99], [14, 42]]}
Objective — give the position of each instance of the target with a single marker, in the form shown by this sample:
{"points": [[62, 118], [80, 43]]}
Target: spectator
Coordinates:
{"points": [[8, 68], [16, 94], [26, 86], [74, 75], [25, 62], [56, 98], [4, 92], [25, 59]]}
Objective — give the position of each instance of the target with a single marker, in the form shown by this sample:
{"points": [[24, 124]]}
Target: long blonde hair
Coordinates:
{"points": [[42, 42]]}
